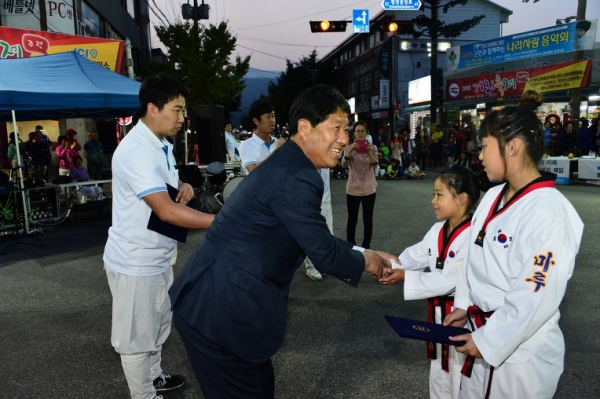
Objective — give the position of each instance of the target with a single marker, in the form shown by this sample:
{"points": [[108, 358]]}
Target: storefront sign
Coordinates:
{"points": [[563, 76], [560, 166], [384, 59], [384, 93], [419, 90], [380, 114], [589, 168], [22, 43], [25, 14], [578, 35], [374, 102]]}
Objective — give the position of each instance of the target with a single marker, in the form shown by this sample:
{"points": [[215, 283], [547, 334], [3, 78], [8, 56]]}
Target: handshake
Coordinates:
{"points": [[384, 267]]}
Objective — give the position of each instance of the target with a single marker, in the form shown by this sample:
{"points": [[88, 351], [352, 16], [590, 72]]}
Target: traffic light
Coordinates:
{"points": [[327, 26], [401, 27]]}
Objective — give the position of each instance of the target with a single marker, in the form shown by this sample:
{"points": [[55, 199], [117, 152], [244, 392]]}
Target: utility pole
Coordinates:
{"points": [[43, 16], [195, 12], [436, 81]]}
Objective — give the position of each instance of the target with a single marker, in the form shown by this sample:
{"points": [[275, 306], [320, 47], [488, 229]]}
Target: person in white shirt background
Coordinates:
{"points": [[231, 145]]}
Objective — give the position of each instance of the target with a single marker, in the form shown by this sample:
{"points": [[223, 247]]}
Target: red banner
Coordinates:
{"points": [[557, 77], [23, 43]]}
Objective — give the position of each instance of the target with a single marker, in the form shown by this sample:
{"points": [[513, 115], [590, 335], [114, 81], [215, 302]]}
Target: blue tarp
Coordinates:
{"points": [[64, 85]]}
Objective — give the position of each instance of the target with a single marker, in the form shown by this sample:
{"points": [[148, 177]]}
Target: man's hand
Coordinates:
{"points": [[185, 194], [374, 263]]}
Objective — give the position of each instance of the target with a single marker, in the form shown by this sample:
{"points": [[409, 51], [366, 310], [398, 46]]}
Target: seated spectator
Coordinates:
{"points": [[382, 164], [394, 170], [414, 172], [79, 173], [462, 160]]}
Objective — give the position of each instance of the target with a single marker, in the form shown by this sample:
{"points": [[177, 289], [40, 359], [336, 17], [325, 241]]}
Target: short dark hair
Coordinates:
{"points": [[315, 104], [260, 107], [159, 90], [39, 127]]}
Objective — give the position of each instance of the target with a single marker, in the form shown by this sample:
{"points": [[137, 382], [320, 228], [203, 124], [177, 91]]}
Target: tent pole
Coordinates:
{"points": [[20, 169]]}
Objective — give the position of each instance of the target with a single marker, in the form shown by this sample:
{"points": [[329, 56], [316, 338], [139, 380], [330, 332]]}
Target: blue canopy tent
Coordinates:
{"points": [[64, 85], [59, 86]]}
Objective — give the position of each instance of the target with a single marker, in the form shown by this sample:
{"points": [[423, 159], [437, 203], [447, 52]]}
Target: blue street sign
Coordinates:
{"points": [[360, 21], [407, 5]]}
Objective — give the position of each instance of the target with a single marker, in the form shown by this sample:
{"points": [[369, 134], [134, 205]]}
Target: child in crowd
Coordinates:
{"points": [[443, 250], [393, 170], [523, 241], [382, 164], [414, 172], [79, 173]]}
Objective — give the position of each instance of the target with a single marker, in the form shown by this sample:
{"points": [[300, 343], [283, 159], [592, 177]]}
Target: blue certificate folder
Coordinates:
{"points": [[167, 229], [424, 331]]}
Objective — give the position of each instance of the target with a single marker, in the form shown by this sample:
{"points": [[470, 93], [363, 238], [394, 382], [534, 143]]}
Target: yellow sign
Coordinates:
{"points": [[103, 54], [572, 76]]}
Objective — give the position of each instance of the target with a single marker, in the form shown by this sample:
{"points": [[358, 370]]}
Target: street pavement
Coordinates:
{"points": [[55, 314]]}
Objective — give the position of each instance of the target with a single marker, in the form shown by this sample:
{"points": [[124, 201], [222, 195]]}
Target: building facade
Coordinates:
{"points": [[374, 69]]}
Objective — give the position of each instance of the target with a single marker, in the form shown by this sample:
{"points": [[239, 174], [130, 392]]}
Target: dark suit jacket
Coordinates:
{"points": [[233, 289]]}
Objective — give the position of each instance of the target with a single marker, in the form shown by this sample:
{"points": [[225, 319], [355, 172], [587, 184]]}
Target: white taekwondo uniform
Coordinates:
{"points": [[439, 282], [520, 273]]}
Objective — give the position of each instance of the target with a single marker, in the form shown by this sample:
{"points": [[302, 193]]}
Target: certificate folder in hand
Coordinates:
{"points": [[167, 229], [424, 331]]}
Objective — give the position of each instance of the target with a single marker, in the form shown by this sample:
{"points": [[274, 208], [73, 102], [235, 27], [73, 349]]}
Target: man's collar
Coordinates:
{"points": [[150, 136]]}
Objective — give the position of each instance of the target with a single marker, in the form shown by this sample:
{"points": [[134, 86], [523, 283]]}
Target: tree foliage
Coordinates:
{"points": [[201, 60], [296, 77], [427, 27]]}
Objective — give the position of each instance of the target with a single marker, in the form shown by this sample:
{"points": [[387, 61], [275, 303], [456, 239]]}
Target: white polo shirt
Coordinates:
{"points": [[141, 165], [255, 150], [231, 145]]}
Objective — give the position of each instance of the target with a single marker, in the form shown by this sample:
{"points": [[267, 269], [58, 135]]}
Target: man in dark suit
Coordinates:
{"points": [[229, 301]]}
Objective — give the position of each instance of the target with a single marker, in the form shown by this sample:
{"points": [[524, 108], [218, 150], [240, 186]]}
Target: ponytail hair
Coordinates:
{"points": [[520, 121]]}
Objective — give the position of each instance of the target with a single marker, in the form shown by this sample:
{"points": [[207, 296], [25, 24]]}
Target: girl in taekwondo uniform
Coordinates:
{"points": [[524, 238], [443, 250]]}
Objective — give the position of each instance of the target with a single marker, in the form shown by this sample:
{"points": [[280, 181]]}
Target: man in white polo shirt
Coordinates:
{"points": [[261, 144], [138, 260]]}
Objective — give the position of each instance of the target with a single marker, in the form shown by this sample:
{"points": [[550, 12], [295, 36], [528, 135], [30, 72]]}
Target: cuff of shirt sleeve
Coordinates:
{"points": [[357, 248]]}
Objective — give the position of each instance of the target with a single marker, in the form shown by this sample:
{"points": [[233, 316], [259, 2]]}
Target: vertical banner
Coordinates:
{"points": [[384, 93]]}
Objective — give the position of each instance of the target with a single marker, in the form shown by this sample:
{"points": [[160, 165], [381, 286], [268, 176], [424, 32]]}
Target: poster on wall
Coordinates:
{"points": [[564, 38], [548, 78], [60, 14], [23, 43]]}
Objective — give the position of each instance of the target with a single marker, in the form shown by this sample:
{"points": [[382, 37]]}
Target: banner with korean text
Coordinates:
{"points": [[24, 43], [557, 77], [564, 38]]}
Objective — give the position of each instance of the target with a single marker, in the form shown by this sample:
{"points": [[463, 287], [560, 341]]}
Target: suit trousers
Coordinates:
{"points": [[221, 374]]}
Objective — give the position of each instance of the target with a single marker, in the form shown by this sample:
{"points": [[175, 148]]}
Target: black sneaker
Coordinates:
{"points": [[166, 382]]}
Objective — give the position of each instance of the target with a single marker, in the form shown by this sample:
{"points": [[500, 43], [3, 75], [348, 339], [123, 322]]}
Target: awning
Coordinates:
{"points": [[465, 104], [415, 109]]}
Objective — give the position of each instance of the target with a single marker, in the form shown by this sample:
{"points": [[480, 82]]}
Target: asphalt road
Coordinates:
{"points": [[55, 310]]}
